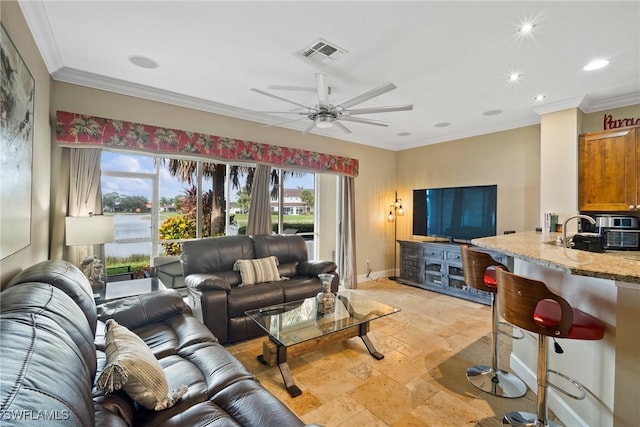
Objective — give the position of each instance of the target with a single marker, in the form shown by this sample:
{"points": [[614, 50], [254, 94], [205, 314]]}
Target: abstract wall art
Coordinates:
{"points": [[17, 94]]}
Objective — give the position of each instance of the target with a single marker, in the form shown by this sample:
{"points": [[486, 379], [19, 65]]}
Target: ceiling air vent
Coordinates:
{"points": [[322, 51]]}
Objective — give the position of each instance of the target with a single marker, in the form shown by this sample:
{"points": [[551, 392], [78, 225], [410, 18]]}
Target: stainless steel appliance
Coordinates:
{"points": [[617, 221], [619, 231], [623, 239]]}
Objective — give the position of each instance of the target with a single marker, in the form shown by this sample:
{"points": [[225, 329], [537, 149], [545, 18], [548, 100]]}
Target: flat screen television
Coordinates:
{"points": [[457, 213]]}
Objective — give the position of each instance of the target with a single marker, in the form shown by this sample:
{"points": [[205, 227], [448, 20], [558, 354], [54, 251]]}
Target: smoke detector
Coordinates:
{"points": [[322, 51]]}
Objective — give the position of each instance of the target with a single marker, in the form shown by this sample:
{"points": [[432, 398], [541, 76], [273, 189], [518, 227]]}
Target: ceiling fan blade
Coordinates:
{"points": [[283, 122], [261, 92], [367, 95], [342, 127], [311, 126], [297, 88], [378, 110], [293, 88], [323, 89], [365, 121], [301, 113]]}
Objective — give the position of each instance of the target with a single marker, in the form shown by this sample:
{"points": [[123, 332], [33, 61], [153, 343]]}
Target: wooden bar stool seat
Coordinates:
{"points": [[480, 273], [531, 306]]}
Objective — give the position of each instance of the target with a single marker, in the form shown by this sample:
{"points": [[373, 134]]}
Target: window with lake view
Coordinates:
{"points": [[158, 203]]}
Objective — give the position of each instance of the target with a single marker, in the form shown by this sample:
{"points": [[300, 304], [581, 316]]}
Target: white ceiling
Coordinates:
{"points": [[451, 60]]}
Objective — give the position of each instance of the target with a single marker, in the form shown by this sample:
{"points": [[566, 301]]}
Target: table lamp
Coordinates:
{"points": [[86, 231]]}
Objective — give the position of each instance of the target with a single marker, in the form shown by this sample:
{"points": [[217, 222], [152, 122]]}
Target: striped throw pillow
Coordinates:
{"points": [[131, 366], [258, 270]]}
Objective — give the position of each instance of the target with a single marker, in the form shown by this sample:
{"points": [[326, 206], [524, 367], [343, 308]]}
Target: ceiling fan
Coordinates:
{"points": [[325, 115]]}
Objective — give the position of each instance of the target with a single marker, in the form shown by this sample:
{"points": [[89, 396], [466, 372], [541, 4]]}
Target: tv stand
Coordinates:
{"points": [[437, 266]]}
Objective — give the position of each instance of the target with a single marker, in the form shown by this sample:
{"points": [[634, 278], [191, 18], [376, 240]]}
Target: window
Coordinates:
{"points": [[294, 196], [128, 186], [158, 203]]}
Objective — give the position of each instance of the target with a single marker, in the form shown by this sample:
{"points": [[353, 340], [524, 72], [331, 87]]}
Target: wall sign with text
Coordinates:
{"points": [[610, 123]]}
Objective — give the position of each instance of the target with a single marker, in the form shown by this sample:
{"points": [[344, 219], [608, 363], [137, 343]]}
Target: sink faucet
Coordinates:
{"points": [[564, 227]]}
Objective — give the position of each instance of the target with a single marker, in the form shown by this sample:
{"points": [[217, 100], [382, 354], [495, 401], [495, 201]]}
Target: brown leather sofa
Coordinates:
{"points": [[52, 351], [212, 283]]}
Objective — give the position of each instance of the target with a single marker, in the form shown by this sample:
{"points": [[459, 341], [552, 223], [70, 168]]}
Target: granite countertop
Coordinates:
{"points": [[540, 248]]}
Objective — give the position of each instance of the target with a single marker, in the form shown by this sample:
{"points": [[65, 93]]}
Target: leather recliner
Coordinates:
{"points": [[52, 350], [212, 283]]}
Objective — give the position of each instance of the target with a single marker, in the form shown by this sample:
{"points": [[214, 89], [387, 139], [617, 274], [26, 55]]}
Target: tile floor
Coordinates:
{"points": [[420, 382]]}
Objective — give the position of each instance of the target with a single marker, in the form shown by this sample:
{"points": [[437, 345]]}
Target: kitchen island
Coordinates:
{"points": [[605, 285]]}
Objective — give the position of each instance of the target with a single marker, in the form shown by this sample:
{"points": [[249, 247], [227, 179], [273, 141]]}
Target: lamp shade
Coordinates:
{"points": [[89, 230]]}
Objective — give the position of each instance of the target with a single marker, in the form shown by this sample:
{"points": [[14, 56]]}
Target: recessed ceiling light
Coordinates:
{"points": [[442, 124], [595, 65], [404, 133], [492, 112], [514, 77], [527, 27], [143, 62], [539, 97]]}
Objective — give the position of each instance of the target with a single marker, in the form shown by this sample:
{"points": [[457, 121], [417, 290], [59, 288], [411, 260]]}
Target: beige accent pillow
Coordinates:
{"points": [[131, 366], [258, 270]]}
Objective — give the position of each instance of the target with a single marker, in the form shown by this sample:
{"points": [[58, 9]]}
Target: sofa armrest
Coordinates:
{"points": [[205, 282], [313, 268], [141, 310]]}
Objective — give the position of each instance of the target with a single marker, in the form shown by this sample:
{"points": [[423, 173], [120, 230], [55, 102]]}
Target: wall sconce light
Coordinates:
{"points": [[395, 210]]}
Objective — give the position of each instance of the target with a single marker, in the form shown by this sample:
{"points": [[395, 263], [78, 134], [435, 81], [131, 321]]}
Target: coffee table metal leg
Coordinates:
{"points": [[291, 386], [285, 371], [364, 327]]}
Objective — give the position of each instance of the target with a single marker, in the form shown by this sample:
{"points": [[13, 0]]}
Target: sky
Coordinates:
{"points": [[169, 186]]}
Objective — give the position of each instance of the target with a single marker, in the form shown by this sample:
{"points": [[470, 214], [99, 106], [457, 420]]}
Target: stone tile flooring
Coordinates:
{"points": [[421, 381]]}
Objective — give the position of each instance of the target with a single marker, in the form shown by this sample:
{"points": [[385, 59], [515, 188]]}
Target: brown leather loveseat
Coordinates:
{"points": [[52, 351], [216, 292]]}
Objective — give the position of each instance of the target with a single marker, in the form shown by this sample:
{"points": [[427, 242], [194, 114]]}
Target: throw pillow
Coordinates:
{"points": [[258, 270], [131, 366]]}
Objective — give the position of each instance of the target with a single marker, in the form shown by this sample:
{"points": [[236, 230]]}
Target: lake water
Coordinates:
{"points": [[133, 227], [130, 227]]}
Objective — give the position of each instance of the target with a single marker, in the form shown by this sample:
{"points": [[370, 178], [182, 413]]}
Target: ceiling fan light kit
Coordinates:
{"points": [[324, 121], [324, 114]]}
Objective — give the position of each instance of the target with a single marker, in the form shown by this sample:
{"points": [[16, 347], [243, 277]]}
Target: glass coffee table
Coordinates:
{"points": [[127, 288], [295, 328]]}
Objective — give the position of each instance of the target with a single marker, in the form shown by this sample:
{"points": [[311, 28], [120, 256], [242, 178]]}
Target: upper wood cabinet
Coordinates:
{"points": [[609, 170]]}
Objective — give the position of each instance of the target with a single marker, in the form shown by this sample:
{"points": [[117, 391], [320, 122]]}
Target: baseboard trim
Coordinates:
{"points": [[374, 275]]}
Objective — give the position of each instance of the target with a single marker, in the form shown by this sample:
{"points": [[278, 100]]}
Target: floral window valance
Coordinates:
{"points": [[74, 129]]}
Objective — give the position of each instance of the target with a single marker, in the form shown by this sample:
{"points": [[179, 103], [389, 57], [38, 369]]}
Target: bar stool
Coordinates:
{"points": [[480, 272], [530, 305]]}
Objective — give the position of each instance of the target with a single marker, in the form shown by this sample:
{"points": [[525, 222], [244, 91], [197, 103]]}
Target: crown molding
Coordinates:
{"points": [[36, 16], [95, 81], [592, 106], [563, 104]]}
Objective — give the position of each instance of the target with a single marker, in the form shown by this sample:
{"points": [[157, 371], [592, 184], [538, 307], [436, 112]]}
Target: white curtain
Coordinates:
{"points": [[347, 240], [259, 220], [78, 193]]}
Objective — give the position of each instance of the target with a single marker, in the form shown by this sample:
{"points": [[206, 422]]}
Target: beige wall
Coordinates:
{"points": [[14, 23], [510, 159]]}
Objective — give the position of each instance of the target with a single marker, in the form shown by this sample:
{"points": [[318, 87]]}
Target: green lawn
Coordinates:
{"points": [[241, 219]]}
